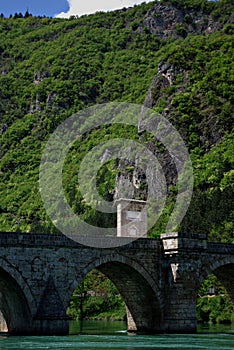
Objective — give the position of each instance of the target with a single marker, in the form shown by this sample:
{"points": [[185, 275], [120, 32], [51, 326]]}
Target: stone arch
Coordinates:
{"points": [[14, 306], [138, 289], [223, 269]]}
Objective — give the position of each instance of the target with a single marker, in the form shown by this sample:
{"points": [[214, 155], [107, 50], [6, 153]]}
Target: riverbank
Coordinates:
{"points": [[215, 309]]}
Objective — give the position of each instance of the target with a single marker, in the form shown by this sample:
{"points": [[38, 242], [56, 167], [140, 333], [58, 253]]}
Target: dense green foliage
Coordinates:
{"points": [[215, 309], [213, 303], [96, 298], [51, 68]]}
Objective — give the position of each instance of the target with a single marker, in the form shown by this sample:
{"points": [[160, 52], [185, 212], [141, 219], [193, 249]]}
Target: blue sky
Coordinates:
{"points": [[63, 8], [36, 7]]}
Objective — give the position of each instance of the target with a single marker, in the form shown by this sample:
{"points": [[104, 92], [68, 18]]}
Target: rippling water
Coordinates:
{"points": [[112, 335]]}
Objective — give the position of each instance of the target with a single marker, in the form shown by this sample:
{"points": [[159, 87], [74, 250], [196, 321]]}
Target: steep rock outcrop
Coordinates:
{"points": [[170, 20]]}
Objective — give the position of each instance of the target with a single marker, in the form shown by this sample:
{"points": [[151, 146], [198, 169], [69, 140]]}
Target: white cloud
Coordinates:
{"points": [[82, 7]]}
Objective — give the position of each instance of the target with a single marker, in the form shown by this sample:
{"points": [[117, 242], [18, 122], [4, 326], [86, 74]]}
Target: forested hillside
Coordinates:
{"points": [[173, 56]]}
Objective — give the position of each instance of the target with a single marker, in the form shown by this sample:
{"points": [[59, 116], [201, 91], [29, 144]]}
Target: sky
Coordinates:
{"points": [[63, 8]]}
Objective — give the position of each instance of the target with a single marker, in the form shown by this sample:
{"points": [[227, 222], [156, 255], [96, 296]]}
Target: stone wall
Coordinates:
{"points": [[158, 279]]}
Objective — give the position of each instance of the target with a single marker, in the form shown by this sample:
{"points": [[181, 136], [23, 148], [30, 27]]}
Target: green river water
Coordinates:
{"points": [[112, 335]]}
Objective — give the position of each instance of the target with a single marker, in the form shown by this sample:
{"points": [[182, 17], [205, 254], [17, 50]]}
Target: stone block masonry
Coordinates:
{"points": [[157, 278]]}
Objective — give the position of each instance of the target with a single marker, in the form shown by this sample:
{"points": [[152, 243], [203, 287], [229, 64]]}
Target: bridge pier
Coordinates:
{"points": [[180, 311], [3, 325], [183, 280], [131, 324], [51, 318]]}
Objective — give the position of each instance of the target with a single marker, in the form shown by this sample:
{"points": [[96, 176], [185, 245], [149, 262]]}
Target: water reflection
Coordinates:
{"points": [[98, 335], [120, 327], [215, 328], [98, 327]]}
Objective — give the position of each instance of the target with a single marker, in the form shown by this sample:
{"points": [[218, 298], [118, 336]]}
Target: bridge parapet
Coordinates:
{"points": [[8, 239], [178, 241], [220, 248]]}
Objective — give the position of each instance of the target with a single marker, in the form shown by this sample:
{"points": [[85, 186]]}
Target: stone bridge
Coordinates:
{"points": [[157, 278]]}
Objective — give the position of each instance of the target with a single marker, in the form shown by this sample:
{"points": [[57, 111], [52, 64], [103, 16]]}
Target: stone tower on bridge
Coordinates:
{"points": [[131, 218]]}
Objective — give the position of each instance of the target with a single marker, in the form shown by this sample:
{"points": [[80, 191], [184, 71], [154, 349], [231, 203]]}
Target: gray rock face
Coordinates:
{"points": [[167, 20], [132, 181]]}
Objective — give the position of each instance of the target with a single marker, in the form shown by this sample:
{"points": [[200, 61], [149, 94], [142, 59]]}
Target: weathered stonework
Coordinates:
{"points": [[3, 325], [131, 218], [158, 279]]}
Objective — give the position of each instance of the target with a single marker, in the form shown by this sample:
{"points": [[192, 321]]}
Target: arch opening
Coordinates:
{"points": [[225, 275], [96, 297], [215, 302], [143, 308], [14, 311]]}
